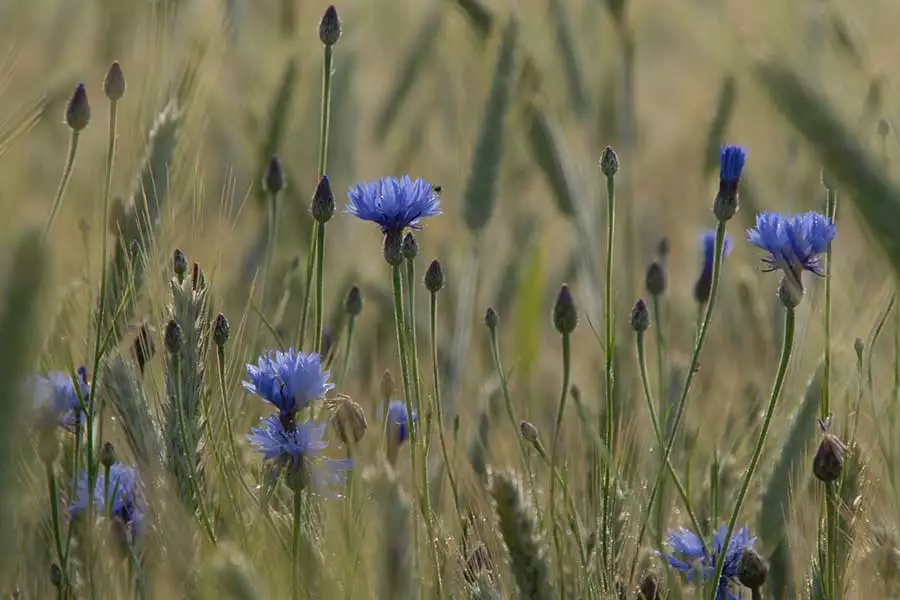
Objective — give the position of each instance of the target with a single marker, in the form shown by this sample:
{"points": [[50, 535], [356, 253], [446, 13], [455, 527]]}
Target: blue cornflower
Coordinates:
{"points": [[122, 498], [394, 204], [731, 163], [55, 394], [296, 449], [708, 240], [698, 563], [289, 380], [398, 421], [794, 243]]}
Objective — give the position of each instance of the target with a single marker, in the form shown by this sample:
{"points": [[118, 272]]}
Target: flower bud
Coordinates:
{"points": [[609, 162], [114, 82], [174, 337], [640, 316], [491, 318], [565, 316], [323, 201], [353, 304], [107, 454], [752, 569], [388, 385], [858, 347], [529, 432], [78, 111], [656, 278], [179, 264], [221, 331], [434, 277], [330, 27], [348, 419], [828, 464], [274, 180]]}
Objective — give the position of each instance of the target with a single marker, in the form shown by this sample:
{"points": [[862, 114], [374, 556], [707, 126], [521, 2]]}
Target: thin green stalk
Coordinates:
{"points": [[511, 413], [324, 123], [320, 287], [348, 348], [661, 367], [439, 407], [757, 451], [57, 525], [271, 238], [695, 361], [220, 371], [660, 439], [831, 516], [610, 341], [191, 475], [64, 181], [560, 411], [307, 291]]}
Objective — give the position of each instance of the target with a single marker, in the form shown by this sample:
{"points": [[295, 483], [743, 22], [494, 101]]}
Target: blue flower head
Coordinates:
{"points": [[297, 449], [56, 394], [289, 380], [794, 243], [122, 498], [731, 163], [708, 241], [398, 421], [394, 204], [698, 563]]}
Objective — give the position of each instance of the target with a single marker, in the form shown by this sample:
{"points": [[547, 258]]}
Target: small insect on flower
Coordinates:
{"points": [[794, 244], [296, 453], [698, 563], [122, 498], [57, 397], [290, 380], [394, 204]]}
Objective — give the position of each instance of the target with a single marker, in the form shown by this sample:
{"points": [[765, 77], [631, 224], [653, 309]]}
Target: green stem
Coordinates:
{"points": [[560, 411], [660, 439], [610, 341], [348, 348], [57, 526], [295, 545], [307, 291], [831, 516], [271, 239], [320, 287], [327, 68], [439, 407], [695, 361], [229, 433], [67, 174], [757, 451], [661, 367]]}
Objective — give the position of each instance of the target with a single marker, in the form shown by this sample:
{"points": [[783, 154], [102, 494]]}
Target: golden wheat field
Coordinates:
{"points": [[585, 351]]}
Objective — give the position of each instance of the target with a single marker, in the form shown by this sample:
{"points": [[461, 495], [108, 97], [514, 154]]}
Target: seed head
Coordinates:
{"points": [[330, 27], [221, 331], [656, 278], [828, 464], [393, 248], [179, 264], [348, 419], [491, 318], [353, 305], [640, 316], [752, 569], [323, 201], [274, 179], [173, 337], [649, 588], [609, 162], [565, 316], [114, 83], [410, 246], [78, 112], [434, 277], [529, 432], [388, 385], [107, 454]]}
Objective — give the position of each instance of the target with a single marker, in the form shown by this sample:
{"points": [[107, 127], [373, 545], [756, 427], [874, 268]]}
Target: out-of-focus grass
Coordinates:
{"points": [[429, 87]]}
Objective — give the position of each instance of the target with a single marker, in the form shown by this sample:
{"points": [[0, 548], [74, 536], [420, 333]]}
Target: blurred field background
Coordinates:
{"points": [[663, 83]]}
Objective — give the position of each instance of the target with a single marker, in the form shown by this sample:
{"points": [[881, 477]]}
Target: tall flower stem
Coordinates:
{"points": [[320, 287], [661, 368], [438, 405], [610, 342], [348, 348], [777, 386], [271, 239], [295, 544], [831, 516], [56, 523], [411, 334], [560, 411], [695, 361], [317, 245], [64, 180]]}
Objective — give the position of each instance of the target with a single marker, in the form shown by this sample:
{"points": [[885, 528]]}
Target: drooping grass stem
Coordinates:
{"points": [[777, 386]]}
